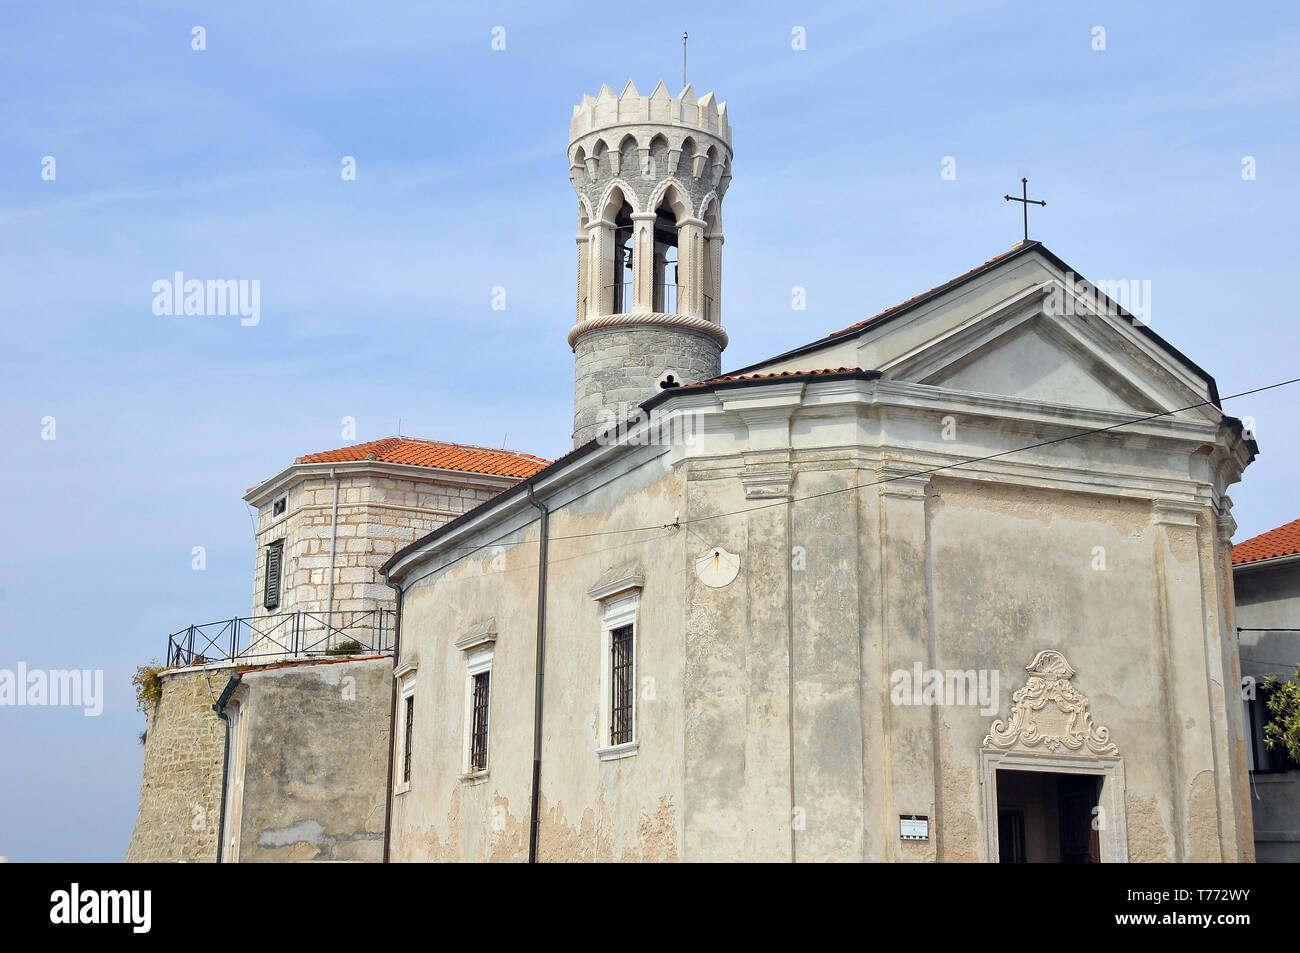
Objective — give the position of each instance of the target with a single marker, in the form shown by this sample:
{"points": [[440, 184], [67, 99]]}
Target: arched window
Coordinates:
{"points": [[666, 261], [622, 290]]}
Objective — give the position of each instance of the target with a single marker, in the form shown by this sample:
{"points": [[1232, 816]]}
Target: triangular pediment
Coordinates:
{"points": [[1023, 326], [1036, 361], [1025, 345]]}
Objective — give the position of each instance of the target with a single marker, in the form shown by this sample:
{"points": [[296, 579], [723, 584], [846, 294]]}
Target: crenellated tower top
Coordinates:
{"points": [[630, 107], [650, 173]]}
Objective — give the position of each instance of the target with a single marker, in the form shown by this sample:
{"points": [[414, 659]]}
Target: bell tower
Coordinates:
{"points": [[650, 173]]}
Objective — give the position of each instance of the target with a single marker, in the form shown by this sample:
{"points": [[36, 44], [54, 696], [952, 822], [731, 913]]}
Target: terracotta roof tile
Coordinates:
{"points": [[935, 290], [775, 374], [1283, 541], [431, 453]]}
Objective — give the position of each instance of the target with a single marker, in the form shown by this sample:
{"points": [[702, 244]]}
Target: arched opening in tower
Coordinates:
{"points": [[623, 274], [665, 264]]}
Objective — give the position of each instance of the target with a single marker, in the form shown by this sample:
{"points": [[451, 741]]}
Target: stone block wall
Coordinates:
{"points": [[180, 793], [377, 516], [618, 368]]}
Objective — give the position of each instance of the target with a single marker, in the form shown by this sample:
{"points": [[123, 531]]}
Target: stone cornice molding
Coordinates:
{"points": [[1175, 513], [1224, 521], [296, 472], [619, 581], [770, 484], [683, 322], [481, 633], [900, 480]]}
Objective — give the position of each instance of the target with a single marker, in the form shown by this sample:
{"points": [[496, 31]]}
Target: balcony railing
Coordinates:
{"points": [[283, 635], [665, 299]]}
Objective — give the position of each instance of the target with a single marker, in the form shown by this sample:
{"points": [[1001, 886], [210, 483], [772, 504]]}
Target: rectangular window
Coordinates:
{"points": [[478, 746], [1261, 758], [622, 689], [617, 729], [274, 561], [410, 724]]}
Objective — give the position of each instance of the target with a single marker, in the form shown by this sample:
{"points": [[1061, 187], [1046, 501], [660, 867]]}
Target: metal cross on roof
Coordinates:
{"points": [[1025, 201]]}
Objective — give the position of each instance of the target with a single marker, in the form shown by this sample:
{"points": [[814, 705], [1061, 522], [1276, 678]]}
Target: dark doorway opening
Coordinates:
{"points": [[1048, 817]]}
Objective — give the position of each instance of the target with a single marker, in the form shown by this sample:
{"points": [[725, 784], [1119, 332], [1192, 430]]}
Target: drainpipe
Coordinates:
{"points": [[334, 536], [392, 718], [220, 709], [544, 529]]}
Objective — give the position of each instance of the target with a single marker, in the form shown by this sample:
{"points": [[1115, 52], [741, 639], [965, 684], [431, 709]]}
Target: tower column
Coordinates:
{"points": [[713, 262], [643, 262], [690, 267], [600, 263], [583, 241]]}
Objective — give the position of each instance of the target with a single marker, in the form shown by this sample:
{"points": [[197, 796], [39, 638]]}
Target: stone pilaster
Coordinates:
{"points": [[910, 769], [1197, 768]]}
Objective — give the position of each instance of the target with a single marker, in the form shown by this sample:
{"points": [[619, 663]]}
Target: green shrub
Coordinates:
{"points": [[148, 686], [350, 647]]}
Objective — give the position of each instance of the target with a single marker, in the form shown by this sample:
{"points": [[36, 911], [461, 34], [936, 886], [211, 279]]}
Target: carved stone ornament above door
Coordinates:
{"points": [[1050, 713]]}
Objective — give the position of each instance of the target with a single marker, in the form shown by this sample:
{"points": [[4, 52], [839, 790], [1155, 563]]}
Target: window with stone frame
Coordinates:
{"points": [[622, 688], [479, 709], [408, 717]]}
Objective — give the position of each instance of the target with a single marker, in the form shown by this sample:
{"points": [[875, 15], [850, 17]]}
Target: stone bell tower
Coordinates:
{"points": [[650, 173]]}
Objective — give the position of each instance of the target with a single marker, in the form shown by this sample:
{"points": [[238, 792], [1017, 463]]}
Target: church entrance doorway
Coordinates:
{"points": [[1048, 817]]}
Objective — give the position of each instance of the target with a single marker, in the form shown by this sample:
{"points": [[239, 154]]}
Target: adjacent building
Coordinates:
{"points": [[270, 739], [1266, 570]]}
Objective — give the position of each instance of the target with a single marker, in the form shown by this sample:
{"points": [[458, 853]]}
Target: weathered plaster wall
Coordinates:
{"points": [[779, 683], [626, 809], [1013, 571], [1269, 598], [317, 761], [180, 791]]}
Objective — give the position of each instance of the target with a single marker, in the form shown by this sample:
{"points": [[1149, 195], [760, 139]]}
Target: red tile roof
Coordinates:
{"points": [[774, 374], [1283, 541], [431, 453], [933, 291]]}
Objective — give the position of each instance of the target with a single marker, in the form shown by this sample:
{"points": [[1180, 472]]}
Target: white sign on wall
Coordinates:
{"points": [[914, 827]]}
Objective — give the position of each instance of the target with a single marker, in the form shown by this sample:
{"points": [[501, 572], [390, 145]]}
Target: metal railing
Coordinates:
{"points": [[620, 297], [283, 635], [666, 298]]}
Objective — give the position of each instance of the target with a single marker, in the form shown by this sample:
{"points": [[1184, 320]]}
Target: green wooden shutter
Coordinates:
{"points": [[274, 560]]}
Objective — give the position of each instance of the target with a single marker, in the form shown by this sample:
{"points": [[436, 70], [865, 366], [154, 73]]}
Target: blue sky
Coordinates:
{"points": [[376, 293]]}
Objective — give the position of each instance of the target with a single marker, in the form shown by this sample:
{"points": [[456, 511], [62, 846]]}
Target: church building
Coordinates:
{"points": [[952, 583]]}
